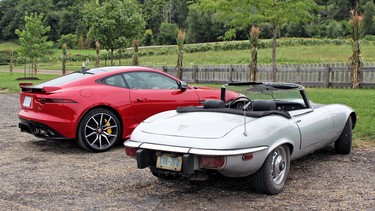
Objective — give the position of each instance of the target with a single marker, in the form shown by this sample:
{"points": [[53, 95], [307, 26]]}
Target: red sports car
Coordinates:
{"points": [[99, 107]]}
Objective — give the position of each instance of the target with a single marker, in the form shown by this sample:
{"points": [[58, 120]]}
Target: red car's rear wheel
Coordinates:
{"points": [[99, 130]]}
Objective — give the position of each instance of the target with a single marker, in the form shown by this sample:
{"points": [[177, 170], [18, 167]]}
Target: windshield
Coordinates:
{"points": [[68, 78], [270, 91]]}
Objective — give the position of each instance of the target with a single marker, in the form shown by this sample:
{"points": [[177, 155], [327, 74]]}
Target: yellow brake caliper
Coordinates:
{"points": [[109, 130]]}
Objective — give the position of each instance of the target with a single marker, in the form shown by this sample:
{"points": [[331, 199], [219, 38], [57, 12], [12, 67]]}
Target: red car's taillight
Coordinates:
{"points": [[212, 162], [131, 151], [53, 100]]}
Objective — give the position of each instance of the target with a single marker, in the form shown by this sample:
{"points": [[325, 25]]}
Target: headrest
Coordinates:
{"points": [[263, 105], [211, 103]]}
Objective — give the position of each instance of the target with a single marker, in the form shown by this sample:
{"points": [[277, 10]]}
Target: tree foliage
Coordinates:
{"points": [[114, 23], [368, 18], [212, 20], [33, 43]]}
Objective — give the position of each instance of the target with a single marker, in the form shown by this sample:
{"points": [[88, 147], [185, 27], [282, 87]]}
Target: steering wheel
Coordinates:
{"points": [[235, 103]]}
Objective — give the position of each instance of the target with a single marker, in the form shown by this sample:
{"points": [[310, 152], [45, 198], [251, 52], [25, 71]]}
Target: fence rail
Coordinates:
{"points": [[310, 75]]}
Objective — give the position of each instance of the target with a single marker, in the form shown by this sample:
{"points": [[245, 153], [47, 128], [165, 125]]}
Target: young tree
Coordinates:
{"points": [[356, 21], [64, 58], [135, 54], [180, 58], [114, 23], [253, 38], [33, 43], [241, 14], [97, 50]]}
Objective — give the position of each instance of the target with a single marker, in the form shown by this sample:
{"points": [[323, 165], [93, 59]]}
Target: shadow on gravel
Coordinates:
{"points": [[55, 146], [60, 146], [300, 169]]}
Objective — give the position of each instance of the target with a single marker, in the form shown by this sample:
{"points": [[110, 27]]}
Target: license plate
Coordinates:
{"points": [[27, 101], [166, 161]]}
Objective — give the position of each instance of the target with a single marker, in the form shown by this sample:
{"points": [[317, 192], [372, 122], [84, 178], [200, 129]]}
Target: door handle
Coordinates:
{"points": [[141, 99], [298, 121]]}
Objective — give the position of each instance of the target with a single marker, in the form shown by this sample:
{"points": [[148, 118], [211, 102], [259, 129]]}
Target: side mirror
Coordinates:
{"points": [[183, 85]]}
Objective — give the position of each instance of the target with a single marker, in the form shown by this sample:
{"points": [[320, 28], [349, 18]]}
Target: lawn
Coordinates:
{"points": [[10, 83], [323, 53]]}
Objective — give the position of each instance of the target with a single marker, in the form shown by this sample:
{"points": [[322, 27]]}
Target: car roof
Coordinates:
{"points": [[118, 68]]}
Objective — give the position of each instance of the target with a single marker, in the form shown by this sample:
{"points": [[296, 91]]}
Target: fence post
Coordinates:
{"points": [[230, 71], [195, 73], [298, 71], [328, 72]]}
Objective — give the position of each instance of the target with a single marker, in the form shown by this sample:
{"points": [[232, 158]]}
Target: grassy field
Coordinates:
{"points": [[327, 53], [9, 83]]}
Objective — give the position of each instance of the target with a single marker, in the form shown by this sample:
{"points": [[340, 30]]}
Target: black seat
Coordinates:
{"points": [[211, 103], [263, 105]]}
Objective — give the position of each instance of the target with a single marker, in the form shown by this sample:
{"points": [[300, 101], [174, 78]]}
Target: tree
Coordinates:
{"points": [[64, 52], [254, 42], [368, 18], [180, 58], [203, 26], [114, 23], [135, 54], [17, 16], [167, 34], [242, 14], [33, 43], [356, 21]]}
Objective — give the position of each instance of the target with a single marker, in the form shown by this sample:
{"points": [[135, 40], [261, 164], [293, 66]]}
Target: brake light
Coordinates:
{"points": [[248, 156], [131, 152], [213, 162], [53, 100]]}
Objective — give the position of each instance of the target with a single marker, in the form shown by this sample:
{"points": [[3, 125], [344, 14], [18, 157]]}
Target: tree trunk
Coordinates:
{"points": [[356, 63], [111, 57], [253, 64], [274, 45], [11, 61]]}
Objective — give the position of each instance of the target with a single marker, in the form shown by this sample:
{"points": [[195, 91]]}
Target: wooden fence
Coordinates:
{"points": [[309, 75]]}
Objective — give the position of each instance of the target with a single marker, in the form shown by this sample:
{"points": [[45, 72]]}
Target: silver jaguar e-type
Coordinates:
{"points": [[256, 134]]}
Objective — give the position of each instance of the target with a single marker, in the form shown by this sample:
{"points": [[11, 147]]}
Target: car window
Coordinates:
{"points": [[149, 80], [115, 80]]}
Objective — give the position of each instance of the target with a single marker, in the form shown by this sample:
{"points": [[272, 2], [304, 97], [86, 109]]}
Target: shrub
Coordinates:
{"points": [[167, 34], [70, 39]]}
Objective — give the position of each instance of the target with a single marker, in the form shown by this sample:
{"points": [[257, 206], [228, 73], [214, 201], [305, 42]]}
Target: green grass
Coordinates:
{"points": [[325, 53], [9, 83], [359, 99], [8, 45]]}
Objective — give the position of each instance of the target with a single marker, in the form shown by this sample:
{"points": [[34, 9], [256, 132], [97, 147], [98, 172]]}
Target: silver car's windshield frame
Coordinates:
{"points": [[269, 90]]}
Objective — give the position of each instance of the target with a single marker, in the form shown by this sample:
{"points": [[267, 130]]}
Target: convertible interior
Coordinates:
{"points": [[258, 108]]}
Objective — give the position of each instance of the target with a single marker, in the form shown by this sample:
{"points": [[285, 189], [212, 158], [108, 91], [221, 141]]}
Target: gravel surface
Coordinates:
{"points": [[39, 174]]}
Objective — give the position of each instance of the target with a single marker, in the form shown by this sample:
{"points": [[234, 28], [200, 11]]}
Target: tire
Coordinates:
{"points": [[99, 130], [271, 177], [343, 145]]}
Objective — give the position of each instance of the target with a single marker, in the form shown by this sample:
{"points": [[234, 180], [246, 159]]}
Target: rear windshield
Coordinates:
{"points": [[68, 78]]}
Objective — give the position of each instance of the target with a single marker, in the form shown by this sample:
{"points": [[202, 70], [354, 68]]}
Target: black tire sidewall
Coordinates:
{"points": [[343, 144], [82, 140], [262, 179]]}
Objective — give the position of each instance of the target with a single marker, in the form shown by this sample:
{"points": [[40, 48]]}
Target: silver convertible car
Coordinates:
{"points": [[256, 135]]}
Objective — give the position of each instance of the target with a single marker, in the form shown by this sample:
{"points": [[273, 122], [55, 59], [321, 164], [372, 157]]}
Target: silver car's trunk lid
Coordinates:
{"points": [[196, 125]]}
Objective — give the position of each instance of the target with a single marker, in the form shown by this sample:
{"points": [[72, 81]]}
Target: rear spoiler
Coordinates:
{"points": [[27, 87]]}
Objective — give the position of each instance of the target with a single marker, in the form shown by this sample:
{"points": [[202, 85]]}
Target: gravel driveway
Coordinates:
{"points": [[57, 175]]}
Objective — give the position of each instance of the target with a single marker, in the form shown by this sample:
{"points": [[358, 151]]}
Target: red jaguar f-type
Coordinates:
{"points": [[99, 107]]}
